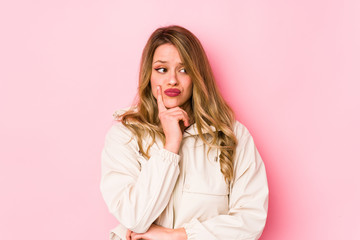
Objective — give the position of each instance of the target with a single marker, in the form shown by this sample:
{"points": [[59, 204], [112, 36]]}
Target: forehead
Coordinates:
{"points": [[167, 52]]}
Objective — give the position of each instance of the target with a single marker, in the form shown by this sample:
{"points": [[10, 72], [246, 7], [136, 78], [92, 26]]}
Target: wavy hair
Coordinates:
{"points": [[208, 106]]}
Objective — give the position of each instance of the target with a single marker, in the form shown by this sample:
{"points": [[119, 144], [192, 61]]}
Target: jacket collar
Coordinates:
{"points": [[192, 130]]}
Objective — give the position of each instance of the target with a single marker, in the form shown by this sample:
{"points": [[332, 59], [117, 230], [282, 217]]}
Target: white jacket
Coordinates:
{"points": [[186, 190]]}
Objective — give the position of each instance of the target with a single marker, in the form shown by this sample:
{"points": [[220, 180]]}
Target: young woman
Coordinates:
{"points": [[177, 165]]}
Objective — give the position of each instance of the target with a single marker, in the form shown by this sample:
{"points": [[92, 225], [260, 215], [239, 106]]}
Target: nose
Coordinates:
{"points": [[173, 81]]}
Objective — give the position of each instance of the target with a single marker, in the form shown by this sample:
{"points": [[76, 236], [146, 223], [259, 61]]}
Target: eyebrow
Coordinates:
{"points": [[162, 61]]}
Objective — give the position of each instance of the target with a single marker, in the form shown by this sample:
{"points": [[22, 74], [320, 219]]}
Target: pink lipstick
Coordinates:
{"points": [[172, 92]]}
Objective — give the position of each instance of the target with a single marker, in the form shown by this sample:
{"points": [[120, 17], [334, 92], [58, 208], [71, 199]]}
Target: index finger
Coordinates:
{"points": [[160, 101], [128, 235]]}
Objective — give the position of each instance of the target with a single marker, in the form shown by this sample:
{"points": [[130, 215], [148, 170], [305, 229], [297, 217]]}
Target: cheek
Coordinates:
{"points": [[153, 88], [189, 86]]}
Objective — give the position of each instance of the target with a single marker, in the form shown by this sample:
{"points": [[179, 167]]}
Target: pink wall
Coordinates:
{"points": [[290, 70]]}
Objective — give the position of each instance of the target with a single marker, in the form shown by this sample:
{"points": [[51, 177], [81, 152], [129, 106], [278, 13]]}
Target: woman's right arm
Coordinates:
{"points": [[136, 195]]}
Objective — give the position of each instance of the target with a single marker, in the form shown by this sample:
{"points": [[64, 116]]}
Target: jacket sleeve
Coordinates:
{"points": [[135, 193], [248, 198]]}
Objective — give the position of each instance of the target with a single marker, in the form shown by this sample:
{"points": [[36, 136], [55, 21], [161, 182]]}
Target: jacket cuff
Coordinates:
{"points": [[196, 231], [118, 233], [171, 157]]}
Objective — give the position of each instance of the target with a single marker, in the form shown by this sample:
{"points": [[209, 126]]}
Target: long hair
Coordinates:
{"points": [[208, 106]]}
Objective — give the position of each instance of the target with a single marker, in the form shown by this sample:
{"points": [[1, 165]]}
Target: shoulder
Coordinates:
{"points": [[120, 112], [118, 126], [118, 132], [240, 130], [244, 137], [246, 151]]}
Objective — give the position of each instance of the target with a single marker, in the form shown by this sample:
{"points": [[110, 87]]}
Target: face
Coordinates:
{"points": [[169, 72]]}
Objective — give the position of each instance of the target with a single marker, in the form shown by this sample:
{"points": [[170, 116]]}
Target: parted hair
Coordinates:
{"points": [[207, 105]]}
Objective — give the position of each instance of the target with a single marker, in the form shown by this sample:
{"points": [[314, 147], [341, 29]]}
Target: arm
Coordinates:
{"points": [[173, 130], [135, 196], [248, 199], [156, 232]]}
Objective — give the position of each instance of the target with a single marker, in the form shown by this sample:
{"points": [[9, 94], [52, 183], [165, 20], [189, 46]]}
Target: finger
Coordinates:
{"points": [[160, 101], [180, 116], [186, 119], [136, 236], [177, 110], [128, 235]]}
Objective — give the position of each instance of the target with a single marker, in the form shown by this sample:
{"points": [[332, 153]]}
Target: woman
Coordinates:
{"points": [[177, 165]]}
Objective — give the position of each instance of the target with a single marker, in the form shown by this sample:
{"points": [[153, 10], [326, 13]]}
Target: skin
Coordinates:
{"points": [[156, 232], [169, 72]]}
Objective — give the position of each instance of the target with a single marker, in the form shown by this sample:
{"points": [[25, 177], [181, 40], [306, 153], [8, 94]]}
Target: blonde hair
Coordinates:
{"points": [[208, 106]]}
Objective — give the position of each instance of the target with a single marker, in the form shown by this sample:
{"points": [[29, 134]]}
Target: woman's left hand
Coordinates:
{"points": [[157, 232]]}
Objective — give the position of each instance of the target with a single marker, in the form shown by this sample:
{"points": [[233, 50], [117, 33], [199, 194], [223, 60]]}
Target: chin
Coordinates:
{"points": [[171, 105]]}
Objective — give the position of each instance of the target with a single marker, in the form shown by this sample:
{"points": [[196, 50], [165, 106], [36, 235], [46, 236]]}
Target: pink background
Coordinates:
{"points": [[290, 70]]}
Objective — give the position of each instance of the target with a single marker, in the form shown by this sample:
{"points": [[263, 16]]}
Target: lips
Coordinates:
{"points": [[172, 92]]}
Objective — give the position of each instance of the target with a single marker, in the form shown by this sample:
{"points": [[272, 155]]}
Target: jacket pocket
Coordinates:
{"points": [[203, 174]]}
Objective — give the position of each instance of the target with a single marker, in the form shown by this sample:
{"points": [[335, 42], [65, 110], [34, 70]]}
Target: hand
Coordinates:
{"points": [[128, 234], [157, 232], [173, 122]]}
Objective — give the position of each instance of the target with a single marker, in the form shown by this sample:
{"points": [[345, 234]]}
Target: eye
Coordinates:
{"points": [[183, 70], [161, 70]]}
